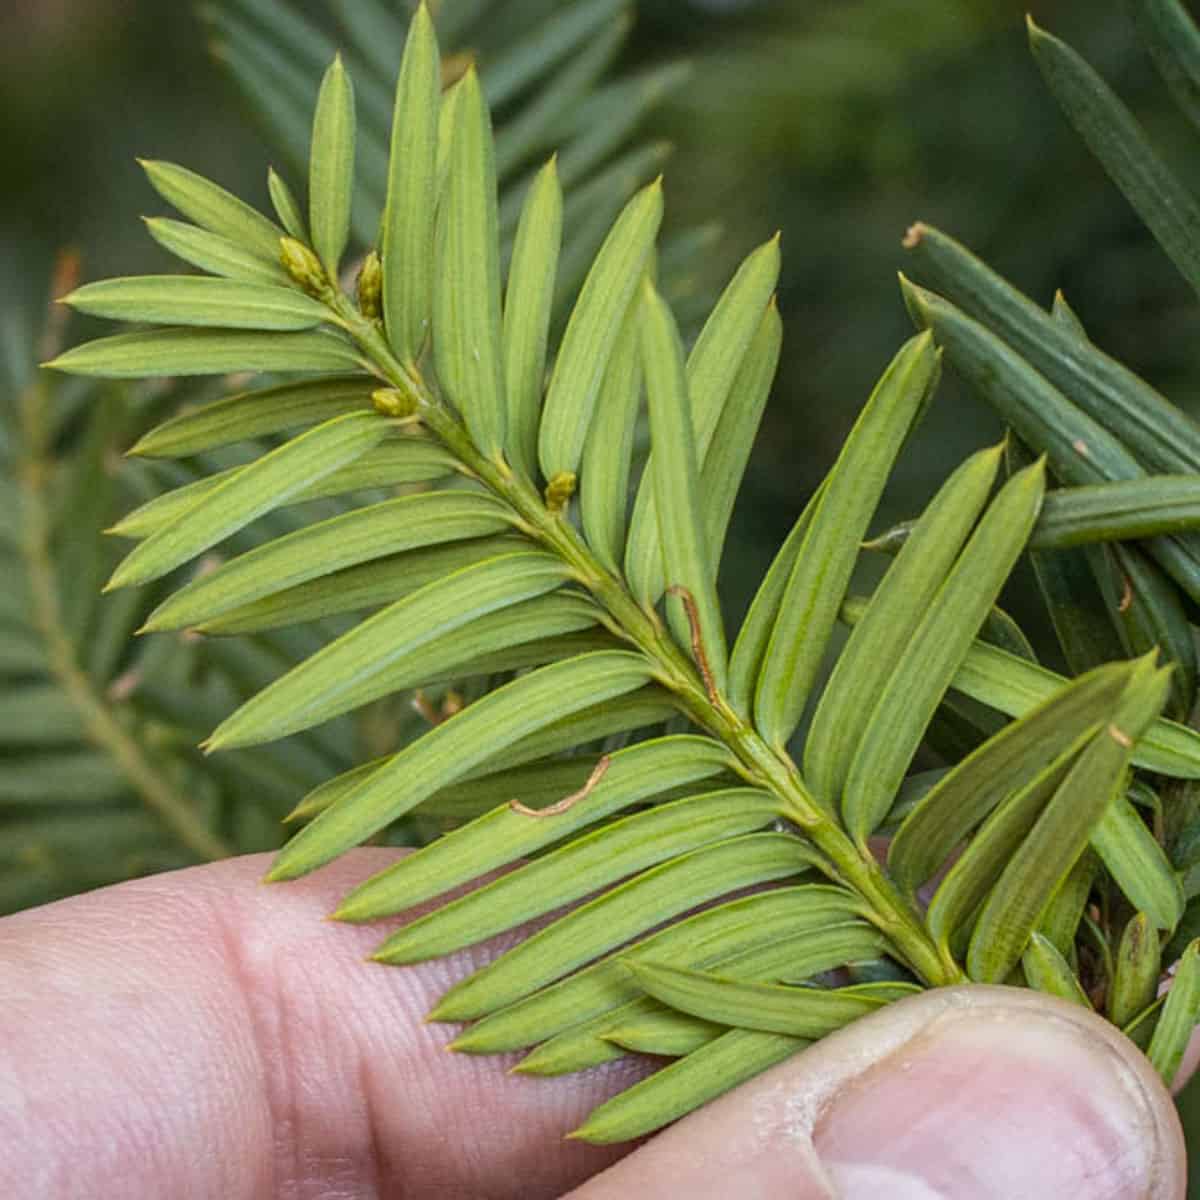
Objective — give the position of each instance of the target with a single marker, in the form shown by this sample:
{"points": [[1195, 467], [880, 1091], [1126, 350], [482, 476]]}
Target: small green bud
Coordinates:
{"points": [[370, 287], [393, 403], [455, 66], [559, 491], [303, 266]]}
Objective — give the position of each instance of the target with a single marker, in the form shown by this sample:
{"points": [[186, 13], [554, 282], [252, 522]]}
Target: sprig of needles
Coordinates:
{"points": [[657, 747]]}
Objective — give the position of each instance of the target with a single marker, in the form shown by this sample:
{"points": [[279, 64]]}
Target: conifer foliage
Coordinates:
{"points": [[627, 753]]}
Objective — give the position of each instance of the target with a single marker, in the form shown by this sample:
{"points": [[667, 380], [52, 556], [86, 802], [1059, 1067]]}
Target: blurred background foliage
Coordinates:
{"points": [[837, 122]]}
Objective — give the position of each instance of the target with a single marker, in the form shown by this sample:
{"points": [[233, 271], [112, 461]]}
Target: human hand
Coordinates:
{"points": [[198, 1035]]}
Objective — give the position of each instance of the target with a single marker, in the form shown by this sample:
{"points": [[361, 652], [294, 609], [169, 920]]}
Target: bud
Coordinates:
{"points": [[394, 403], [303, 266], [559, 491], [455, 66], [370, 287]]}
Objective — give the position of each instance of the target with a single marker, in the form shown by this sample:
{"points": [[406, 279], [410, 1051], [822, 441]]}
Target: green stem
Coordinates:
{"points": [[100, 725], [761, 764]]}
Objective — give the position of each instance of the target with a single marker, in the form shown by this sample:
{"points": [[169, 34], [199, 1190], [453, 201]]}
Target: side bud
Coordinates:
{"points": [[370, 287], [303, 266], [559, 491], [393, 403]]}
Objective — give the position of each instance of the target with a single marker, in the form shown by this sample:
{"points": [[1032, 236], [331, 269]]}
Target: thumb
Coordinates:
{"points": [[971, 1093]]}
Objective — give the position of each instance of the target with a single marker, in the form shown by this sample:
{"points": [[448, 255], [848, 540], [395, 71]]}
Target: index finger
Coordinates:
{"points": [[197, 1034]]}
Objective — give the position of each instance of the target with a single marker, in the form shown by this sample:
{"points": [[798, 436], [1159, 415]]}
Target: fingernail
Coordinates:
{"points": [[989, 1105]]}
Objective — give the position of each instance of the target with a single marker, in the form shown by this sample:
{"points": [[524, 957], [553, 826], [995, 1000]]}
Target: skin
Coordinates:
{"points": [[199, 1035]]}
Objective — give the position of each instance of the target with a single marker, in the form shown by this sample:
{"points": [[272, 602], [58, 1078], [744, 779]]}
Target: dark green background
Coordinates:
{"points": [[837, 122]]}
